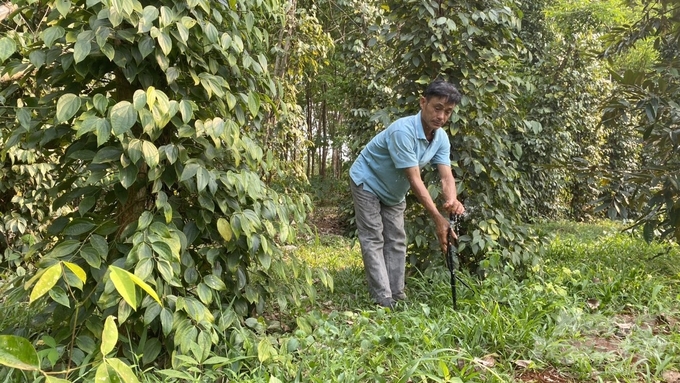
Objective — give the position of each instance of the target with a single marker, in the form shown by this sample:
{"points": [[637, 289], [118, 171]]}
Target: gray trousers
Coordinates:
{"points": [[383, 244]]}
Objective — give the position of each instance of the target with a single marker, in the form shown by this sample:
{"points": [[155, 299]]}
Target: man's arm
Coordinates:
{"points": [[420, 191], [451, 203]]}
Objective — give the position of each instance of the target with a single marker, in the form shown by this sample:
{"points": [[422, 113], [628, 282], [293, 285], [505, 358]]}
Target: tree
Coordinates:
{"points": [[567, 84], [476, 45], [647, 102], [133, 170]]}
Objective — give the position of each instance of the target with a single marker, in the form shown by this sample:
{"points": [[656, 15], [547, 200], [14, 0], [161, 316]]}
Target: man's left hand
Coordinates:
{"points": [[454, 206]]}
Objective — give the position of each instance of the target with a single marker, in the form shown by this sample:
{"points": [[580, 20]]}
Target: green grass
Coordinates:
{"points": [[601, 307]]}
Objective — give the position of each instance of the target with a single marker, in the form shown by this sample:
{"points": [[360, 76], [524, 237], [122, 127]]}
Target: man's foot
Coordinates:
{"points": [[399, 297], [388, 303]]}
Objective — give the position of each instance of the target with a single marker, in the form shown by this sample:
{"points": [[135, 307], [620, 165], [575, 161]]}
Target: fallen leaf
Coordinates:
{"points": [[593, 304], [671, 377], [624, 326], [524, 363], [486, 361]]}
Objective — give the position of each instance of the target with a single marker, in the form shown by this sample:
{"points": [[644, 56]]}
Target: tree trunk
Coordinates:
{"points": [[310, 131], [280, 65], [324, 136], [336, 160]]}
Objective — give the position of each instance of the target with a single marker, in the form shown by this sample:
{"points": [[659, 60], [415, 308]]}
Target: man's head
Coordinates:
{"points": [[437, 104], [443, 89]]}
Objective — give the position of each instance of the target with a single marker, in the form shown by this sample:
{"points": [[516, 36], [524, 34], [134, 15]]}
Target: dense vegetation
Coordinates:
{"points": [[158, 161]]}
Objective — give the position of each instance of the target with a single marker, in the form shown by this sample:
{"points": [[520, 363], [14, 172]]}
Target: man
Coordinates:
{"points": [[381, 176]]}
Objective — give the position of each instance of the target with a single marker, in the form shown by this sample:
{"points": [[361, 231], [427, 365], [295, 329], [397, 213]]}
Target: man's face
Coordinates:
{"points": [[435, 112]]}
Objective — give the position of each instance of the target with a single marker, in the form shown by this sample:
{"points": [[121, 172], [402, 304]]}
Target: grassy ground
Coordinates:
{"points": [[602, 307]]}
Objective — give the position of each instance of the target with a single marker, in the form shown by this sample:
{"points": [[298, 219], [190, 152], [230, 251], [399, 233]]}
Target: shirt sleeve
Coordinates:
{"points": [[402, 149], [443, 154]]}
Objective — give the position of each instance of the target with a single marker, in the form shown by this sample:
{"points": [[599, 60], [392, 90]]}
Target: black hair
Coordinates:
{"points": [[441, 88]]}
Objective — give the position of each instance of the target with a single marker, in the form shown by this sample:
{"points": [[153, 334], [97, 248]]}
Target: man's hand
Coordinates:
{"points": [[443, 229], [454, 206]]}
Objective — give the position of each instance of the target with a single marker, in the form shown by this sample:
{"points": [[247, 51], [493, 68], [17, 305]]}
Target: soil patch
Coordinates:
{"points": [[327, 220], [549, 375]]}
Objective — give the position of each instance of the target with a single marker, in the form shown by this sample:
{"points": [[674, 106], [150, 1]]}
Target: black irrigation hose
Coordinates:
{"points": [[452, 256]]}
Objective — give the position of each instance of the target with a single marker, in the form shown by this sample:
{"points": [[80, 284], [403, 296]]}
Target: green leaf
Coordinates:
{"points": [[101, 103], [145, 287], [52, 379], [164, 42], [103, 131], [123, 370], [52, 34], [100, 244], [81, 49], [149, 15], [176, 374], [139, 99], [167, 321], [102, 34], [135, 150], [64, 248], [107, 154], [106, 374], [189, 171], [183, 32], [122, 116], [214, 282], [90, 255], [164, 251], [146, 46], [264, 350], [47, 280], [109, 51], [144, 220], [63, 6], [146, 264], [77, 270], [18, 352], [237, 43], [124, 285], [128, 175], [150, 153], [24, 117], [204, 293], [109, 335], [253, 103], [67, 107], [37, 58], [78, 226], [210, 32], [59, 295], [88, 124], [202, 179], [186, 110], [224, 228]]}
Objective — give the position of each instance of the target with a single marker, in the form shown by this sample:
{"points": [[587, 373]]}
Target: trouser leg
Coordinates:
{"points": [[370, 231], [394, 249]]}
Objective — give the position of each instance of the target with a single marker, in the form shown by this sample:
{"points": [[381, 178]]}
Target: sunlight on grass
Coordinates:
{"points": [[602, 306], [331, 252]]}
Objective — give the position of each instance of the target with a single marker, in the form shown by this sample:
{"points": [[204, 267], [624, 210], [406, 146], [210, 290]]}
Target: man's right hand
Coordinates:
{"points": [[443, 230]]}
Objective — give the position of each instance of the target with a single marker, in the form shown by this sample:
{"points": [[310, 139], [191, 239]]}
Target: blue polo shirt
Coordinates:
{"points": [[380, 165]]}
